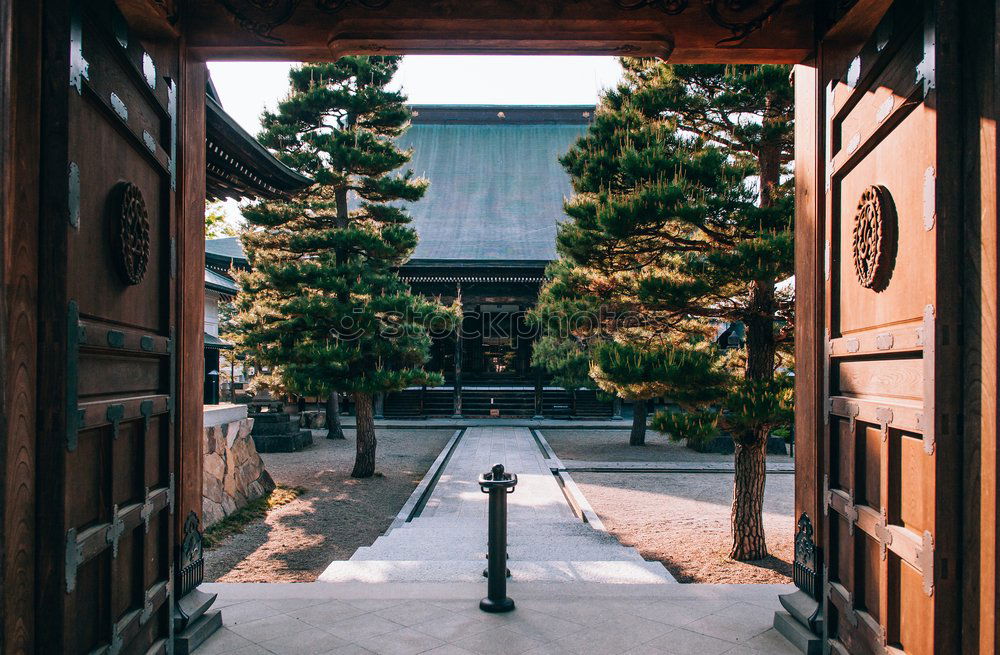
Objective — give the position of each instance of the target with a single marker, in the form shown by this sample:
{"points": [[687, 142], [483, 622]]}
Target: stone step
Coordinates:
{"points": [[478, 539], [601, 571], [801, 607], [270, 417], [797, 634], [284, 443], [419, 551], [477, 526], [516, 520], [282, 427], [477, 530]]}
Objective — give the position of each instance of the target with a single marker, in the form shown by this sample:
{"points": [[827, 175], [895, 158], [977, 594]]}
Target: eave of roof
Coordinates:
{"points": [[212, 341], [221, 283], [238, 166], [225, 253], [502, 114]]}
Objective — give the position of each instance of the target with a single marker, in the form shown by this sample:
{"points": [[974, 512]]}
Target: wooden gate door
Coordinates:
{"points": [[892, 442], [106, 481]]}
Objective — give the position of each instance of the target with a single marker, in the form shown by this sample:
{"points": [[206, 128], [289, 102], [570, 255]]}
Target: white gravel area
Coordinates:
{"points": [[683, 520]]}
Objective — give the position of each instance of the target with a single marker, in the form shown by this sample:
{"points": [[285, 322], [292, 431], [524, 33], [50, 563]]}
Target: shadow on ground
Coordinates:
{"points": [[335, 516]]}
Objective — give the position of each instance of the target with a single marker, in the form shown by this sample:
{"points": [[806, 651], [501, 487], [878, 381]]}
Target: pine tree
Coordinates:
{"points": [[682, 219], [322, 305]]}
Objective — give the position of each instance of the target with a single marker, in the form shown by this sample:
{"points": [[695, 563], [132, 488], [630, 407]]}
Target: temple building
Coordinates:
{"points": [[487, 230]]}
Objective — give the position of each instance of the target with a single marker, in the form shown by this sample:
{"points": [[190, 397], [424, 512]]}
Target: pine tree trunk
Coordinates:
{"points": [[749, 542], [333, 427], [638, 435], [750, 458], [364, 462], [748, 503]]}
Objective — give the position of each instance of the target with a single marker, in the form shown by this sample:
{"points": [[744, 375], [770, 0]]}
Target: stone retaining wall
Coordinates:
{"points": [[234, 473]]}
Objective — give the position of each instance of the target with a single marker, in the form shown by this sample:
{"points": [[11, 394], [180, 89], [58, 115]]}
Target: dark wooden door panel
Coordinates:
{"points": [[115, 471], [884, 290]]}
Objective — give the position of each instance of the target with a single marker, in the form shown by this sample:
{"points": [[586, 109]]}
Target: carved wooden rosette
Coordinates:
{"points": [[873, 238], [129, 232]]}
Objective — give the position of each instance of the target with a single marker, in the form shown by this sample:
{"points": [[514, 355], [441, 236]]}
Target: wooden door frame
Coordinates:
{"points": [[980, 54], [20, 129]]}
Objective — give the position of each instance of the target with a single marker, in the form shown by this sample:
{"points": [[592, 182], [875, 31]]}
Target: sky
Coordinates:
{"points": [[245, 88]]}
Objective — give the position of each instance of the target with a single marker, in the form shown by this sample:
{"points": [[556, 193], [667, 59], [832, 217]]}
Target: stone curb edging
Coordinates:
{"points": [[664, 467], [423, 490], [577, 501]]}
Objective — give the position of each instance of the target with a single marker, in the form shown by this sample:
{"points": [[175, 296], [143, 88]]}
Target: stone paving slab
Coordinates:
{"points": [[444, 619]]}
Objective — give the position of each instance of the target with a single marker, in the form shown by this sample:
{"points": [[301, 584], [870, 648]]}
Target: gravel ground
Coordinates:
{"points": [[335, 516], [682, 520], [612, 446]]}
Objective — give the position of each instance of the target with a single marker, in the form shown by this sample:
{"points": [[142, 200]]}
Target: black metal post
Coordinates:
{"points": [[497, 484]]}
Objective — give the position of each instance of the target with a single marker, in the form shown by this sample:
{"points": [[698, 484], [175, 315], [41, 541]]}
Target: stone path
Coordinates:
{"points": [[444, 619], [447, 541]]}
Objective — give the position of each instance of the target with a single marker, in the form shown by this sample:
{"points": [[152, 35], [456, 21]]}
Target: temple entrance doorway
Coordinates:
{"points": [[895, 576]]}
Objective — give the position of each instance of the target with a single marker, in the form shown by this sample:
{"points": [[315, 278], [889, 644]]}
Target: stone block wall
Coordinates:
{"points": [[234, 473]]}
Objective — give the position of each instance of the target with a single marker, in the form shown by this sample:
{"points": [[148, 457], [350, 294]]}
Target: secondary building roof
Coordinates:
{"points": [[219, 282], [237, 165], [222, 254], [497, 187]]}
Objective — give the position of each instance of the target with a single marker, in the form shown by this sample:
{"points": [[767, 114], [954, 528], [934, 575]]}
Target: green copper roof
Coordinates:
{"points": [[496, 189]]}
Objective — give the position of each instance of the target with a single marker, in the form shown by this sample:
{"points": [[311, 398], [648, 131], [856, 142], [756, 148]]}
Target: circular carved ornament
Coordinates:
{"points": [[129, 232], [874, 227]]}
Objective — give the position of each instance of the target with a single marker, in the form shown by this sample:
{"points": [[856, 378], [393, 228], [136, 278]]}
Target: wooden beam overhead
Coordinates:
{"points": [[150, 19], [762, 31]]}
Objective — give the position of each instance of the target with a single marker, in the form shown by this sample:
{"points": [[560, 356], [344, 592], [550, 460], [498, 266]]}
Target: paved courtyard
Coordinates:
{"points": [[444, 619], [416, 589]]}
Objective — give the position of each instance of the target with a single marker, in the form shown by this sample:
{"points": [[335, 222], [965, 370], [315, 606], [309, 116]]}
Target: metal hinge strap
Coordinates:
{"points": [[73, 412], [73, 558], [925, 558], [114, 415]]}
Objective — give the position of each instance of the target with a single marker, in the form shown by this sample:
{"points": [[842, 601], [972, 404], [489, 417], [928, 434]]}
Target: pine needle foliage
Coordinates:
{"points": [[681, 219], [323, 306]]}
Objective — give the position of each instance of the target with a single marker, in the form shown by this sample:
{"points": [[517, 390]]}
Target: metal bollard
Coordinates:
{"points": [[497, 484]]}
